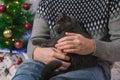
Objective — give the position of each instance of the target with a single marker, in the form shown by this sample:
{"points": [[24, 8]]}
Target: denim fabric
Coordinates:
{"points": [[31, 70], [28, 70]]}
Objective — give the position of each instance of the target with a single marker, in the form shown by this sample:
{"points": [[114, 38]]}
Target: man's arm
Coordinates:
{"points": [[110, 50], [40, 31]]}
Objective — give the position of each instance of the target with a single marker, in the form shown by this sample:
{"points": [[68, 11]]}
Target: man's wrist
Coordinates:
{"points": [[92, 46], [35, 53]]}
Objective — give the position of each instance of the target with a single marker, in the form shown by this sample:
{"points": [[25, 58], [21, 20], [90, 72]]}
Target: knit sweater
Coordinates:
{"points": [[99, 17]]}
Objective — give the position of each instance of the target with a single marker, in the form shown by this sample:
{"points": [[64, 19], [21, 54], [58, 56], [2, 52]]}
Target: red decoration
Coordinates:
{"points": [[1, 59], [2, 8], [27, 26], [18, 44], [19, 61], [26, 6]]}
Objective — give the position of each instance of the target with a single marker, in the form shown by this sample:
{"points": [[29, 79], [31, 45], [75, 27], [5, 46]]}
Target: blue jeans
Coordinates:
{"points": [[31, 70]]}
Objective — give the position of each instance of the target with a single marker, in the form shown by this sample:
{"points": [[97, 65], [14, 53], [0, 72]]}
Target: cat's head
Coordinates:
{"points": [[64, 23]]}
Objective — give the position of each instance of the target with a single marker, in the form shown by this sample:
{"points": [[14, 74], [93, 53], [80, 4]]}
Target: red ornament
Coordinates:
{"points": [[26, 6], [18, 44], [27, 26], [1, 59], [19, 61], [2, 8]]}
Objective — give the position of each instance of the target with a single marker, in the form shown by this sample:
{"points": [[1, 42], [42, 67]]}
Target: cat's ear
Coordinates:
{"points": [[59, 17], [66, 17]]}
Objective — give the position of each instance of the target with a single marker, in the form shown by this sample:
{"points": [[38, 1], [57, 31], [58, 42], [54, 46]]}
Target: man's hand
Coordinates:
{"points": [[46, 55], [75, 43]]}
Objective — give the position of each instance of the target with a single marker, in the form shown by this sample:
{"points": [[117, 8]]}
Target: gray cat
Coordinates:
{"points": [[64, 24]]}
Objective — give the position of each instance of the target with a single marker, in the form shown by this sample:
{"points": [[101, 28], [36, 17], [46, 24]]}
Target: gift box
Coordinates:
{"points": [[9, 62]]}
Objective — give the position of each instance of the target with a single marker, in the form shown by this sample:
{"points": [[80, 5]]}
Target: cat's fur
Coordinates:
{"points": [[64, 24]]}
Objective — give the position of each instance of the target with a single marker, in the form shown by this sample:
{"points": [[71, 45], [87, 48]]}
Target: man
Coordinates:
{"points": [[98, 17]]}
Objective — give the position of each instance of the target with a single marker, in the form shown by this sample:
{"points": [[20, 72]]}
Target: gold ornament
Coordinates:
{"points": [[7, 42], [0, 14], [13, 40], [7, 33], [16, 2]]}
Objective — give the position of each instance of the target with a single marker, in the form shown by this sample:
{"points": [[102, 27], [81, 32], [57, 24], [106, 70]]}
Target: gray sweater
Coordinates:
{"points": [[105, 50], [108, 52]]}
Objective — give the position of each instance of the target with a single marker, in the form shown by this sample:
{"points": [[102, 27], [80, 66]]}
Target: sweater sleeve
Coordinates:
{"points": [[110, 50], [40, 31]]}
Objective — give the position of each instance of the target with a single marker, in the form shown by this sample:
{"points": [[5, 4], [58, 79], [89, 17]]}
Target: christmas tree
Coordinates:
{"points": [[15, 21]]}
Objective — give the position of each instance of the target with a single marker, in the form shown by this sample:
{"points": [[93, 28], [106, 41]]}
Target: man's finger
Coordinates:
{"points": [[70, 34], [61, 56]]}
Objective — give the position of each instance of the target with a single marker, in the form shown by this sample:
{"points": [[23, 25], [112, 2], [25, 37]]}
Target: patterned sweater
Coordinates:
{"points": [[99, 17]]}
